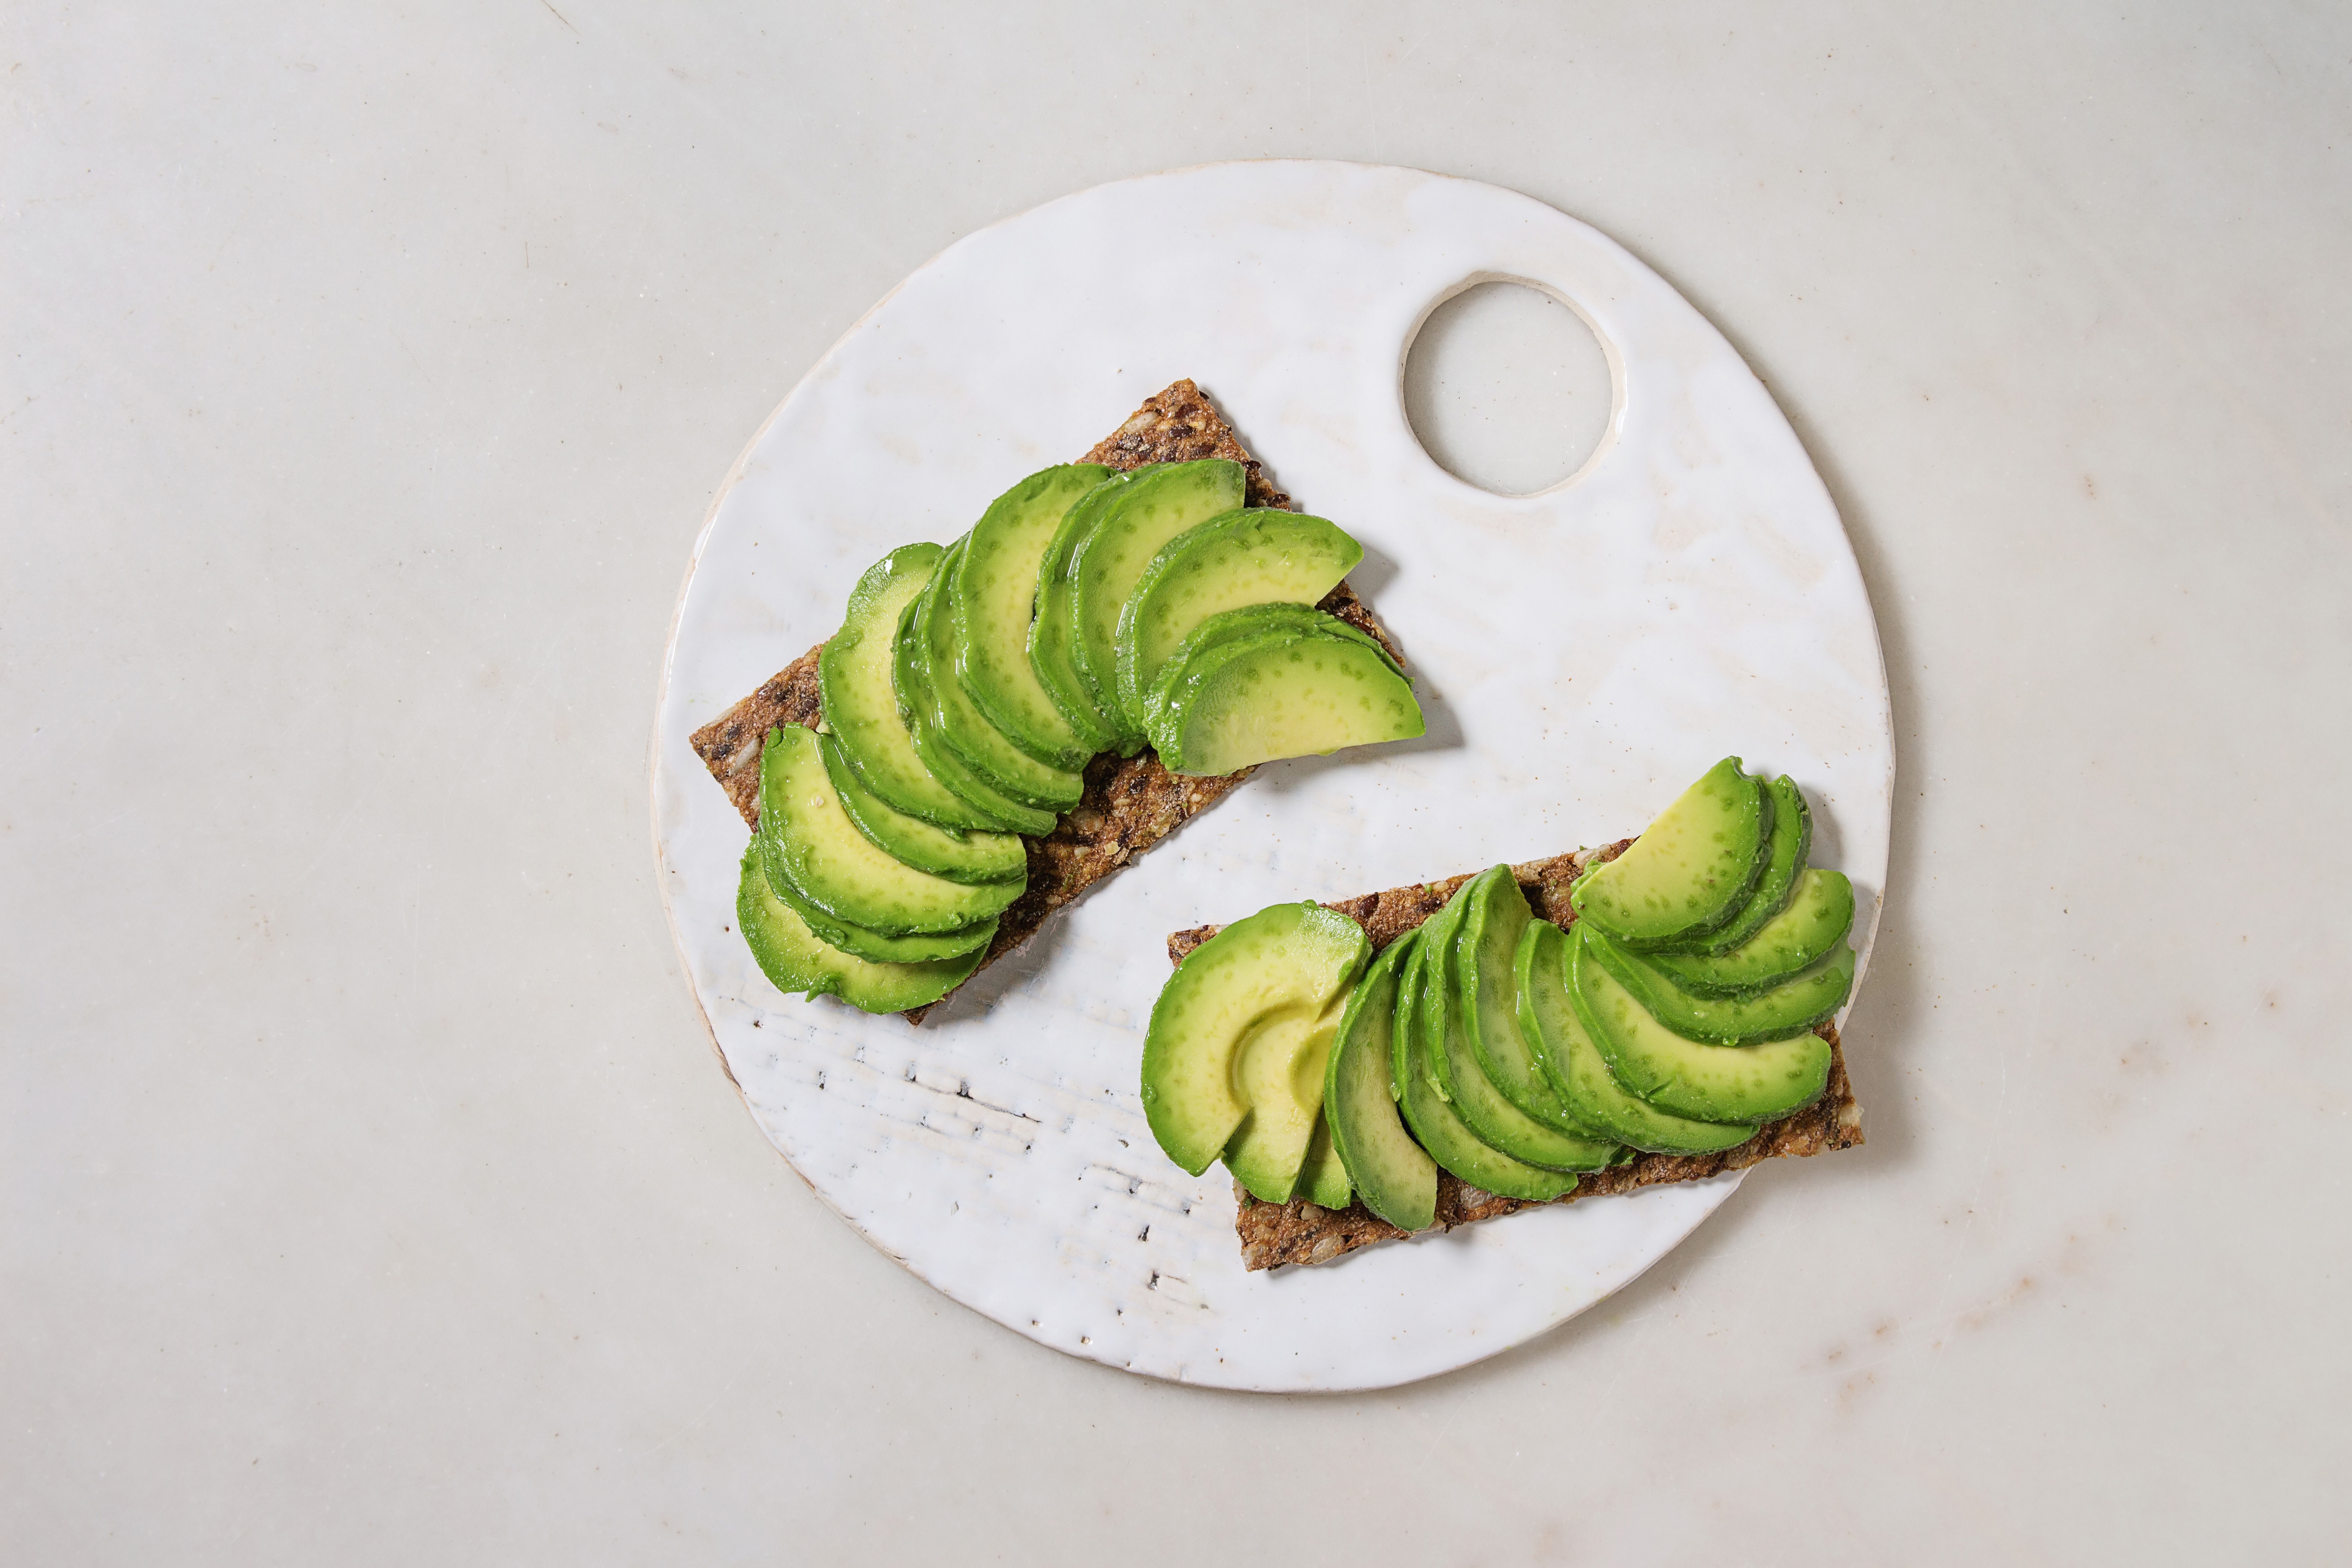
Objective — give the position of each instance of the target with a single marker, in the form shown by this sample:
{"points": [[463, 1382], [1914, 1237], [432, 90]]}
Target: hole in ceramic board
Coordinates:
{"points": [[1508, 389]]}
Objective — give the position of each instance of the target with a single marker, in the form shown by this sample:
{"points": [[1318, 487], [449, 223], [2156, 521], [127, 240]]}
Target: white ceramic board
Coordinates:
{"points": [[1582, 654]]}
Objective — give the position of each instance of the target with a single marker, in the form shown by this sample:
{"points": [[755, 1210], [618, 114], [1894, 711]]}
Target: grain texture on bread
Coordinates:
{"points": [[1301, 1231], [1129, 803]]}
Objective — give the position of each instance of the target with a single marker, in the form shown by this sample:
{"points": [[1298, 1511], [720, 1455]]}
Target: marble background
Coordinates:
{"points": [[368, 1190]]}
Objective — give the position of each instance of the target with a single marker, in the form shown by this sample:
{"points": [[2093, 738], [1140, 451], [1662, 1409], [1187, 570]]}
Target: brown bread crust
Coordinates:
{"points": [[1301, 1231], [1130, 803]]}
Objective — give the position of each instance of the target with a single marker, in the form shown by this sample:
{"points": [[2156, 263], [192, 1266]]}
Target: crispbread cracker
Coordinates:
{"points": [[1130, 803], [1301, 1231]]}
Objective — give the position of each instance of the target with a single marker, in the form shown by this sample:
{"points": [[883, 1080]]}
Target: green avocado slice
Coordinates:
{"points": [[1280, 971], [1690, 870], [1791, 1008], [1434, 1121], [1446, 1013], [1572, 1062], [1818, 916], [860, 701], [813, 846], [857, 941], [1128, 532], [994, 601], [1792, 840], [1269, 696], [958, 721], [1052, 653], [1279, 1071], [1706, 1083], [910, 679], [796, 962], [1394, 1176], [941, 851], [1324, 1178], [1220, 636], [1257, 555], [1487, 954]]}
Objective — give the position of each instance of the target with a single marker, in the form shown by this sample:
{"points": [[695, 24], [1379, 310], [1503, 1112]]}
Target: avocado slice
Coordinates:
{"points": [[1445, 1134], [1220, 636], [1574, 1065], [958, 721], [860, 701], [941, 851], [1324, 1178], [1394, 1176], [1258, 555], [1288, 962], [1791, 1008], [1278, 1071], [1487, 954], [811, 845], [1817, 918], [994, 599], [855, 940], [797, 962], [1052, 655], [1792, 840], [910, 679], [1232, 703], [1690, 870], [1446, 1014], [1105, 565], [1706, 1083]]}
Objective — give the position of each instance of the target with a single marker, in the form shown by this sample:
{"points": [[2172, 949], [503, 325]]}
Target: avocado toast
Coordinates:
{"points": [[1124, 804]]}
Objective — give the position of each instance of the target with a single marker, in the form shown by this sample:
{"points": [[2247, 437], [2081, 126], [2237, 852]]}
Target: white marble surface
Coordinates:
{"points": [[367, 1190]]}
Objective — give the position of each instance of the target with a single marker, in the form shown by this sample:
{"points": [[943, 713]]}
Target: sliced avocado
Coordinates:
{"points": [[1052, 635], [981, 746], [1289, 959], [1435, 1123], [943, 851], [1270, 697], [1818, 916], [812, 845], [994, 599], [1258, 555], [1574, 1065], [861, 704], [1128, 532], [1691, 869], [1445, 1007], [1222, 636], [1791, 1008], [1280, 1072], [1488, 957], [1324, 1178], [1394, 1176], [1792, 840], [855, 940], [910, 678], [796, 962], [1706, 1083]]}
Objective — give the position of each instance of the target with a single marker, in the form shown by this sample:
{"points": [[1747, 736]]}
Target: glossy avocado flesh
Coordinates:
{"points": [[981, 745], [1690, 870], [1324, 1178], [1394, 1176], [1291, 960], [1278, 1071], [1791, 1008], [1572, 1062], [1053, 651], [1498, 1123], [1446, 1137], [796, 962], [1271, 696], [1816, 919], [910, 678], [1104, 567], [941, 851], [859, 942], [994, 599], [1706, 1083], [1792, 840], [811, 844], [1254, 556], [1222, 636], [1487, 958], [855, 687]]}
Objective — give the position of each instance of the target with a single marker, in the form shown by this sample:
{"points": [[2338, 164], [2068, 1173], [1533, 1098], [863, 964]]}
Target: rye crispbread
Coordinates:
{"points": [[1301, 1231], [1130, 803]]}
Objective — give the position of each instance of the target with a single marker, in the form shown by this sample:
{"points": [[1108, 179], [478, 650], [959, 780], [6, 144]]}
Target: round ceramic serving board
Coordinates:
{"points": [[1582, 654]]}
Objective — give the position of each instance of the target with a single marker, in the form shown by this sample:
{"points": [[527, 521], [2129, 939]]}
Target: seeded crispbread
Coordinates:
{"points": [[1130, 803], [1301, 1231]]}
